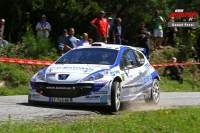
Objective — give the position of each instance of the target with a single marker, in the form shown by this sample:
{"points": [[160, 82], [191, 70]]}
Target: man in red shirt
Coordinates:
{"points": [[101, 24]]}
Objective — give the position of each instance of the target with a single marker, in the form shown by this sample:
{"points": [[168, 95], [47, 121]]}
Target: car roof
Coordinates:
{"points": [[108, 46]]}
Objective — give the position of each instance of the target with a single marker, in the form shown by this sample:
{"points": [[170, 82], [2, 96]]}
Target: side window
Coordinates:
{"points": [[140, 57], [128, 59]]}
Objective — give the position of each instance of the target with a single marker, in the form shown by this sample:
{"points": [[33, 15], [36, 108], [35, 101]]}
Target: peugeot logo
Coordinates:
{"points": [[62, 76]]}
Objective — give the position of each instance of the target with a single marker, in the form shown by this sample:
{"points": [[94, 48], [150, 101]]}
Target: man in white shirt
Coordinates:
{"points": [[84, 41], [43, 28]]}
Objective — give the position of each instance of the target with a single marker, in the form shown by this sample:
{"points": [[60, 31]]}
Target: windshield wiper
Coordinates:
{"points": [[81, 62], [61, 63]]}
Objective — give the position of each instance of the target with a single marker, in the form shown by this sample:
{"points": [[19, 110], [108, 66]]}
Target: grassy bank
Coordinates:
{"points": [[183, 120]]}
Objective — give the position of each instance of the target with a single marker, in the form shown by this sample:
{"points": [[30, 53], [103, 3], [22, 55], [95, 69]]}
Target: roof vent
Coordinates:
{"points": [[98, 44]]}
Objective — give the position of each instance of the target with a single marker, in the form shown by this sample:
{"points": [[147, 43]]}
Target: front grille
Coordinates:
{"points": [[63, 90]]}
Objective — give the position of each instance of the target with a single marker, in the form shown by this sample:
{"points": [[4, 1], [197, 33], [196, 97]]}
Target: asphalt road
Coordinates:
{"points": [[17, 107]]}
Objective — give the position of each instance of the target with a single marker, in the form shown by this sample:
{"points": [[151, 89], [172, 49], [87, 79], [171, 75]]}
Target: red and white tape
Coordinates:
{"points": [[25, 61], [47, 63]]}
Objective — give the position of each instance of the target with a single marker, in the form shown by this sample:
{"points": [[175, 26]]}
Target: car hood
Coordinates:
{"points": [[75, 72], [75, 68]]}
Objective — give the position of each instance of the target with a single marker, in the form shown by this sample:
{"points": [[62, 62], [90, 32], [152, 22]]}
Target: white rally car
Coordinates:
{"points": [[100, 74]]}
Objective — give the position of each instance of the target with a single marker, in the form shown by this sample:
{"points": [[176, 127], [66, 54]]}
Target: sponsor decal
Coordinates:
{"points": [[117, 72], [89, 69], [100, 92], [34, 95], [32, 90], [130, 76], [112, 74], [62, 87], [97, 81], [144, 80], [92, 97], [123, 78], [183, 11], [147, 65]]}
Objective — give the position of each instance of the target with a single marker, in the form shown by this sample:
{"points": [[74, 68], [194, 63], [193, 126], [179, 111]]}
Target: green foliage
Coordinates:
{"points": [[182, 120], [31, 47]]}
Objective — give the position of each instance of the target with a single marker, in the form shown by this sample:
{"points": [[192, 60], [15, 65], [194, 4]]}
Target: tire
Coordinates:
{"points": [[154, 93], [115, 96]]}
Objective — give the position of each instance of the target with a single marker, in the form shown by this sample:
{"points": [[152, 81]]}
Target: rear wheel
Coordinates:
{"points": [[154, 93], [115, 96]]}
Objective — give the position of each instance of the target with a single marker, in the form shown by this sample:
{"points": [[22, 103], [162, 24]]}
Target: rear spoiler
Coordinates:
{"points": [[141, 49]]}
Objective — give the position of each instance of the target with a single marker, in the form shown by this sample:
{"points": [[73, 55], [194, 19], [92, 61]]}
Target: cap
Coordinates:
{"points": [[64, 30], [102, 12], [43, 16], [174, 58], [109, 18], [142, 23]]}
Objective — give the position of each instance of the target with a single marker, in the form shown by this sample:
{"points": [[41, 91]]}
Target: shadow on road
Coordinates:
{"points": [[103, 110]]}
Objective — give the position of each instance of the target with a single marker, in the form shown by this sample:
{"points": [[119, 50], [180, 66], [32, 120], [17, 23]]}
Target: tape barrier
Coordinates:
{"points": [[175, 64], [25, 61], [47, 63]]}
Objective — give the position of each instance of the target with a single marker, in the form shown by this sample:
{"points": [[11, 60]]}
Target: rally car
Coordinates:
{"points": [[99, 74]]}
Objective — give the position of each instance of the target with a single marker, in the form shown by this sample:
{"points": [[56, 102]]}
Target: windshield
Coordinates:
{"points": [[89, 56]]}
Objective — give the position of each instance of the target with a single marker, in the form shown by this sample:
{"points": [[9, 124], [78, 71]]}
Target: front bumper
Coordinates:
{"points": [[84, 93]]}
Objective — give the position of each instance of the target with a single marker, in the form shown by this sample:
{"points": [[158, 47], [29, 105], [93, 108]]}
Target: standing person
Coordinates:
{"points": [[117, 32], [145, 43], [172, 32], [90, 41], [140, 32], [84, 40], [175, 71], [113, 15], [3, 42], [101, 24], [2, 27], [109, 19], [71, 41], [124, 38], [61, 41], [43, 27], [157, 30]]}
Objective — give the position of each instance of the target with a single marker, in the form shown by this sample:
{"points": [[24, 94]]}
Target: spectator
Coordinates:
{"points": [[117, 31], [43, 27], [145, 43], [172, 32], [157, 30], [61, 41], [113, 15], [124, 38], [71, 41], [2, 27], [90, 41], [109, 19], [175, 71], [84, 40], [101, 24], [140, 32], [3, 42]]}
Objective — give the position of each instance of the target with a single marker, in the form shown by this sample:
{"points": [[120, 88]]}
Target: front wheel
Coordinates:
{"points": [[154, 93], [115, 96]]}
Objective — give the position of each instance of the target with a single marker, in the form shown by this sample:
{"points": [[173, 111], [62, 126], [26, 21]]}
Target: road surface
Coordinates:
{"points": [[17, 107]]}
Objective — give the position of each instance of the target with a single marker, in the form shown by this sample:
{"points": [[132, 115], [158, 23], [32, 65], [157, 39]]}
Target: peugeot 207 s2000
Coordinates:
{"points": [[100, 74]]}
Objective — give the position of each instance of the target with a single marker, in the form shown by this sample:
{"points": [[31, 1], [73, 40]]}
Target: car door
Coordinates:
{"points": [[142, 68], [129, 71]]}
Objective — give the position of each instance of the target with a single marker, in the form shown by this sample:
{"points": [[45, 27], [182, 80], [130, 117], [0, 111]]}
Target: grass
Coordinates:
{"points": [[182, 120]]}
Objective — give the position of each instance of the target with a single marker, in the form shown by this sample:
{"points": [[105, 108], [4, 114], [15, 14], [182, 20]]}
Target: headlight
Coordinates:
{"points": [[40, 75], [94, 76]]}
